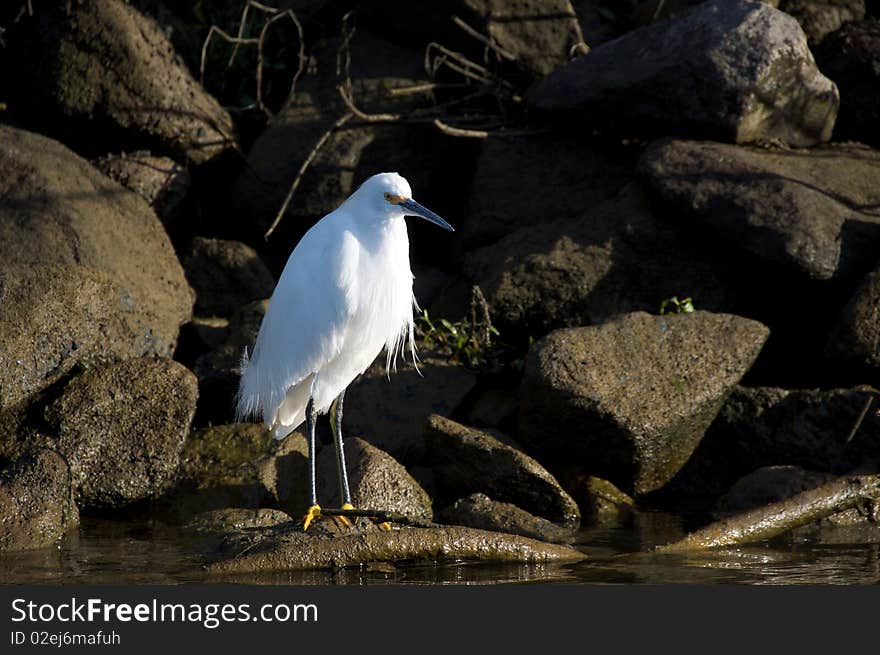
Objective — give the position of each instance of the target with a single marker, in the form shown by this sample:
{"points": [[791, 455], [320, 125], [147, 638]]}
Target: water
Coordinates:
{"points": [[105, 552]]}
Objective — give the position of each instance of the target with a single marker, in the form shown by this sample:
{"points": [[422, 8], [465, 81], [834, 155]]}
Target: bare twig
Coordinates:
{"points": [[460, 131], [858, 423], [342, 120], [488, 41]]}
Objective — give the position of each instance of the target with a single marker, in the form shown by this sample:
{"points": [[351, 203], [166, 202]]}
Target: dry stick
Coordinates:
{"points": [[231, 39], [302, 56], [487, 41], [861, 418], [378, 515], [243, 21], [777, 518], [342, 120]]}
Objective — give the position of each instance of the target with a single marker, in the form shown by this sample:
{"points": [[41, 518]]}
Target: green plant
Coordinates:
{"points": [[675, 306], [467, 341]]}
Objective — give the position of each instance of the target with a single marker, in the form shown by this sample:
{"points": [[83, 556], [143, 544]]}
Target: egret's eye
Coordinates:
{"points": [[387, 196]]}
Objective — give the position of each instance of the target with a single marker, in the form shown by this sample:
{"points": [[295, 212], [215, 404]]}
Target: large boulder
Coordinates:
{"points": [[36, 501], [88, 273], [735, 71], [818, 18], [481, 512], [467, 461], [101, 75], [811, 212], [855, 337], [851, 57], [614, 258], [630, 399], [122, 427]]}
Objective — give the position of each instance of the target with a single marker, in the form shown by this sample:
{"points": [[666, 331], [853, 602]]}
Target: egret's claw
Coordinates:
{"points": [[344, 519], [313, 513], [385, 525]]}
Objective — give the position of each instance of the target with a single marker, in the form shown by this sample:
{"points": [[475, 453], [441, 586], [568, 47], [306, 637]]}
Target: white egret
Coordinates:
{"points": [[346, 293]]}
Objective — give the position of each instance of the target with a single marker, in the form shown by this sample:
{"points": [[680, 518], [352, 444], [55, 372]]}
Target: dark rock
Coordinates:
{"points": [[161, 181], [481, 512], [36, 501], [219, 468], [730, 70], [287, 548], [375, 479], [389, 411], [818, 18], [122, 429], [226, 275], [536, 36], [556, 178], [102, 75], [855, 338], [851, 57], [630, 399], [88, 273], [814, 212], [599, 500], [765, 426], [235, 518], [612, 259], [467, 461], [284, 474]]}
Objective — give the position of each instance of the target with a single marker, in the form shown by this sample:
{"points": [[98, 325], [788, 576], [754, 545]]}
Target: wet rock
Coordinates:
{"points": [[36, 501], [375, 479], [855, 338], [226, 275], [219, 467], [557, 178], [851, 57], [611, 259], [813, 212], [88, 273], [766, 426], [730, 70], [220, 521], [766, 485], [102, 75], [161, 181], [377, 67], [599, 499], [390, 411], [818, 18], [481, 512], [536, 36], [122, 429], [286, 547], [466, 461], [630, 399]]}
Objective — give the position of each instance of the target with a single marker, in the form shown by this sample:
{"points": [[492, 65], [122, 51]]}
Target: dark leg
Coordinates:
{"points": [[336, 424], [314, 508]]}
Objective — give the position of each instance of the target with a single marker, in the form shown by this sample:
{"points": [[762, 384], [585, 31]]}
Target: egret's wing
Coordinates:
{"points": [[306, 321]]}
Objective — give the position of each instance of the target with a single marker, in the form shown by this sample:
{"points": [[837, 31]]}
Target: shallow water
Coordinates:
{"points": [[106, 552]]}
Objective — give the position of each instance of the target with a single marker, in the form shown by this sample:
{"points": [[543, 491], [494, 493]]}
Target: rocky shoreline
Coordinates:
{"points": [[664, 290]]}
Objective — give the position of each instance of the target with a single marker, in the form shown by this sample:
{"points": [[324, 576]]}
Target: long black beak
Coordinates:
{"points": [[415, 209]]}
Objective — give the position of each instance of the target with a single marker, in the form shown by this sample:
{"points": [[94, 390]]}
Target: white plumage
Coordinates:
{"points": [[344, 295]]}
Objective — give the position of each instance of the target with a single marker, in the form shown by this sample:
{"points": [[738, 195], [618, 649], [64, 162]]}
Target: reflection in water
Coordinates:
{"points": [[113, 552]]}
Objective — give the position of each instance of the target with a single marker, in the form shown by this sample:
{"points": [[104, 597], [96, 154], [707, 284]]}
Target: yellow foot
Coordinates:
{"points": [[344, 519], [313, 513], [385, 525]]}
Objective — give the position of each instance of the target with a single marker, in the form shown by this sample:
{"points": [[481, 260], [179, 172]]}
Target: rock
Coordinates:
{"points": [[466, 461], [375, 479], [88, 273], [855, 338], [122, 428], [351, 153], [851, 57], [598, 499], [812, 212], [766, 426], [284, 474], [161, 181], [536, 36], [99, 74], [612, 259], [818, 18], [36, 501], [219, 468], [226, 275], [730, 70], [557, 178], [630, 399], [389, 411], [481, 512], [220, 521], [287, 548]]}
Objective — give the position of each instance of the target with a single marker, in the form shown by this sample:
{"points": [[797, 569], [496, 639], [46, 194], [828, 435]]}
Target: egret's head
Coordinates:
{"points": [[391, 195]]}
